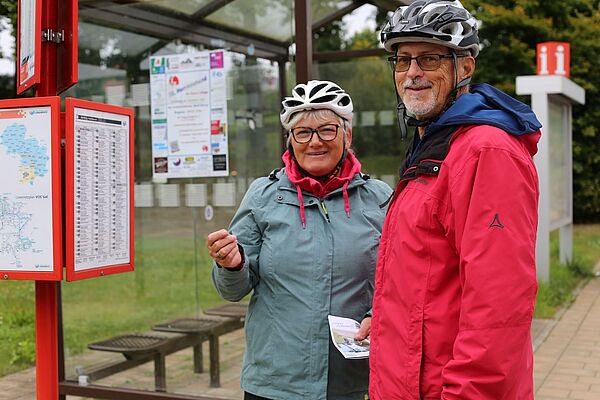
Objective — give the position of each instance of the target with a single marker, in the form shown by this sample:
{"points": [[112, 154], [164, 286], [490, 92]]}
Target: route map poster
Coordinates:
{"points": [[30, 216], [189, 115], [99, 197]]}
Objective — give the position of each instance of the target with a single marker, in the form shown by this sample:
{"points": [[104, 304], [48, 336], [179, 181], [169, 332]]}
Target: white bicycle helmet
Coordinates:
{"points": [[316, 95], [434, 21]]}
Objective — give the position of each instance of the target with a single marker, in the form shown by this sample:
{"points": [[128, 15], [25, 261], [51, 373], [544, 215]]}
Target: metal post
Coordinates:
{"points": [[303, 18], [46, 292], [539, 102], [282, 93]]}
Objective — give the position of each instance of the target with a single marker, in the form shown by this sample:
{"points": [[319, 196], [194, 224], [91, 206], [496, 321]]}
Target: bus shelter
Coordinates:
{"points": [[262, 48]]}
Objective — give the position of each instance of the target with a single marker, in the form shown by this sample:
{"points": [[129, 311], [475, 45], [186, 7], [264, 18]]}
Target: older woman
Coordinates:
{"points": [[304, 241]]}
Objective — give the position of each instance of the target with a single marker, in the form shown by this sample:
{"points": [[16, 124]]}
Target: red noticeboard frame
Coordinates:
{"points": [[73, 275], [35, 78], [54, 104]]}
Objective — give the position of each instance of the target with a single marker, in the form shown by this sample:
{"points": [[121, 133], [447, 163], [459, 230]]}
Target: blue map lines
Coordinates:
{"points": [[34, 156], [13, 221]]}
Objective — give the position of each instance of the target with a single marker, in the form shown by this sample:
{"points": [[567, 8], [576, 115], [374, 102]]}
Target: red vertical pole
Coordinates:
{"points": [[46, 305]]}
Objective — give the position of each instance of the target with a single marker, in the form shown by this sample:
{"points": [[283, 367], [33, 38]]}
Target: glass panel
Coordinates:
{"points": [[187, 7], [110, 42], [376, 136], [172, 277], [269, 18], [322, 8], [560, 186]]}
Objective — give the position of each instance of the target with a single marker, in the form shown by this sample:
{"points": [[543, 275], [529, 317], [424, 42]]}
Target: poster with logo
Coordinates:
{"points": [[188, 95]]}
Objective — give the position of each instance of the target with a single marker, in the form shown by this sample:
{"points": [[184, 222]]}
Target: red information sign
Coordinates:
{"points": [[554, 58], [98, 189], [29, 44], [30, 199]]}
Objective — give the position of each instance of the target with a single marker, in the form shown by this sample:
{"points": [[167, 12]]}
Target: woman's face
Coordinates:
{"points": [[319, 157]]}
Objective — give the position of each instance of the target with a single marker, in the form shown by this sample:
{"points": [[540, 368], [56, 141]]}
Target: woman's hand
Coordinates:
{"points": [[223, 248], [365, 329]]}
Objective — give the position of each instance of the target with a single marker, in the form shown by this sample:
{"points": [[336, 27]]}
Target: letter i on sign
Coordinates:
{"points": [[560, 60], [543, 61]]}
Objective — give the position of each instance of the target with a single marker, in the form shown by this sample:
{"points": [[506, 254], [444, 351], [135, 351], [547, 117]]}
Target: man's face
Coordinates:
{"points": [[425, 92]]}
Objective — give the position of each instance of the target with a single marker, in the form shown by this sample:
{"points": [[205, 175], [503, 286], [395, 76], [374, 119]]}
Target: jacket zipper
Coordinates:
{"points": [[325, 211]]}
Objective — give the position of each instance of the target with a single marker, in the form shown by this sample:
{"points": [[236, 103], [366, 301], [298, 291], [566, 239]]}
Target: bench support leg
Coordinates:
{"points": [[198, 367], [215, 380], [160, 373]]}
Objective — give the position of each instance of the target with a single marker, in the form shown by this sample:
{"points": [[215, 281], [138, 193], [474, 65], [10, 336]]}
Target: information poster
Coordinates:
{"points": [[189, 115], [28, 44], [30, 210], [100, 189]]}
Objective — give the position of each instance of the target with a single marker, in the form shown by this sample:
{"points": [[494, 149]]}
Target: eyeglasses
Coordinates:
{"points": [[427, 62], [326, 133]]}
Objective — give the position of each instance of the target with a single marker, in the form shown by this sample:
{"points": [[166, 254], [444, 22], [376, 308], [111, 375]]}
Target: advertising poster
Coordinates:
{"points": [[189, 115], [29, 208], [99, 196]]}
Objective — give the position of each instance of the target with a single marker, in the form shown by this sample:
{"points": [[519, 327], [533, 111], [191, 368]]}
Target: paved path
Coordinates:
{"points": [[567, 361]]}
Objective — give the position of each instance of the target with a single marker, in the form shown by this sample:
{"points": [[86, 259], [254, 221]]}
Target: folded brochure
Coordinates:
{"points": [[343, 331]]}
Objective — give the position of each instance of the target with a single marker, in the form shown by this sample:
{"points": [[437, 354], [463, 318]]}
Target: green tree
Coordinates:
{"points": [[509, 33]]}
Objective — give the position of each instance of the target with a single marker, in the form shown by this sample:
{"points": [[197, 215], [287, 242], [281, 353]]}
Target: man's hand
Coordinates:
{"points": [[223, 248], [365, 329]]}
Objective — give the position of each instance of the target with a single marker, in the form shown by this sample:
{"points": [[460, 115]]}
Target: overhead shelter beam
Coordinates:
{"points": [[338, 14], [210, 8]]}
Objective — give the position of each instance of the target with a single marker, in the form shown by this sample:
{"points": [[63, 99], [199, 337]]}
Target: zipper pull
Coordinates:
{"points": [[325, 211]]}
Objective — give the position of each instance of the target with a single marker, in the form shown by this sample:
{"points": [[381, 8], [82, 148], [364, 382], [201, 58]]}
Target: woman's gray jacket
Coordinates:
{"points": [[299, 276]]}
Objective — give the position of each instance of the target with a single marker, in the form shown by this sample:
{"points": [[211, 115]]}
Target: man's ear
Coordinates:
{"points": [[466, 67]]}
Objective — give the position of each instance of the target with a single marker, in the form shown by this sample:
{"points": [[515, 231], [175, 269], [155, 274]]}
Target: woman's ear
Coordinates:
{"points": [[348, 137]]}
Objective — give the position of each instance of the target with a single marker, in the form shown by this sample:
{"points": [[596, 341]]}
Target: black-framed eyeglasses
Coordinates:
{"points": [[427, 62], [326, 133]]}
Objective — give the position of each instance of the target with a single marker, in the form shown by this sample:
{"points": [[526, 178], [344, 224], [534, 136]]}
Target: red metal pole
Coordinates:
{"points": [[46, 305]]}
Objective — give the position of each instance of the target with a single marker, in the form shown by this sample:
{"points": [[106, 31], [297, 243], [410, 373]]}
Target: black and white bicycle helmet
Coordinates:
{"points": [[316, 95], [434, 21]]}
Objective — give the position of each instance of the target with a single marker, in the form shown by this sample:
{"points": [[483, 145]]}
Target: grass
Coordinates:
{"points": [[170, 281], [564, 279]]}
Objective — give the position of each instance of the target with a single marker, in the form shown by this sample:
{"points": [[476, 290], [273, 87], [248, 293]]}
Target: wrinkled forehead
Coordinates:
{"points": [[416, 48]]}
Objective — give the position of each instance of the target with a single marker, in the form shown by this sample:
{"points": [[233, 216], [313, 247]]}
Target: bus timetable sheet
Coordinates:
{"points": [[101, 189]]}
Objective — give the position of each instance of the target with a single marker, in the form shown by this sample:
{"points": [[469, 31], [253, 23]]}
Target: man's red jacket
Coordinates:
{"points": [[456, 283]]}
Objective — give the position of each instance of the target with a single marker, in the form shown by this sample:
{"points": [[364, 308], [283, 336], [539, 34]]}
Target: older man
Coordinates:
{"points": [[455, 285]]}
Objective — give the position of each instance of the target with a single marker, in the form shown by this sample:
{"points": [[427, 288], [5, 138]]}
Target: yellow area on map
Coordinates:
{"points": [[27, 174]]}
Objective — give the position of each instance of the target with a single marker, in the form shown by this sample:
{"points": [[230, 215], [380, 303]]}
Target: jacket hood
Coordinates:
{"points": [[486, 105]]}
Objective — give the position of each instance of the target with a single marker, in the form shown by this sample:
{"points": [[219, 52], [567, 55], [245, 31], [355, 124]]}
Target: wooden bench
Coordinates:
{"points": [[203, 329], [139, 348]]}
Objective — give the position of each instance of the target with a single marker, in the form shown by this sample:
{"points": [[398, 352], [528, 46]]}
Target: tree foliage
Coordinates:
{"points": [[509, 33]]}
